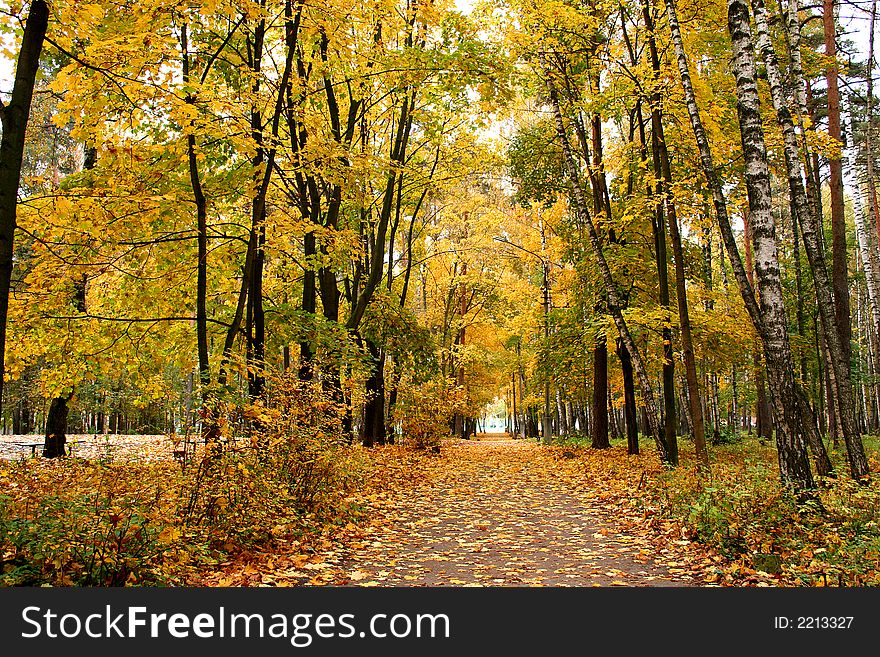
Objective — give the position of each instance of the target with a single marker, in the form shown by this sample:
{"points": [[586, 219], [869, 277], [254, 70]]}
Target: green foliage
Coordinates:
{"points": [[536, 164], [406, 341], [744, 514]]}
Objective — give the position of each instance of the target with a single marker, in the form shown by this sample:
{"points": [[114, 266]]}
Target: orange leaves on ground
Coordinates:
{"points": [[489, 514]]}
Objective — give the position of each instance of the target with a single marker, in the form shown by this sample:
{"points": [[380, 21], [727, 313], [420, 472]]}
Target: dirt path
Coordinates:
{"points": [[495, 512]]}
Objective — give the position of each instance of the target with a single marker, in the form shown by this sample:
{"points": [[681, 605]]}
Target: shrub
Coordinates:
{"points": [[83, 524], [423, 410], [296, 463], [106, 523], [743, 513]]}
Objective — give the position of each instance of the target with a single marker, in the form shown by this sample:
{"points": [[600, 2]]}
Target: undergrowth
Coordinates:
{"points": [[105, 523], [742, 512]]}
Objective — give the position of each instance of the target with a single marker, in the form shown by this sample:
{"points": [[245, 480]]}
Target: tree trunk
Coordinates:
{"points": [[629, 399], [668, 369], [460, 428], [614, 305], [560, 413], [799, 292], [835, 184], [201, 204], [762, 411], [309, 306], [373, 429], [873, 204], [769, 320], [599, 415], [791, 423], [56, 428], [665, 186], [809, 222], [257, 351], [664, 204]]}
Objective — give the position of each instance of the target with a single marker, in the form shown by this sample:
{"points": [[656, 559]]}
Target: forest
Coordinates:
{"points": [[297, 293]]}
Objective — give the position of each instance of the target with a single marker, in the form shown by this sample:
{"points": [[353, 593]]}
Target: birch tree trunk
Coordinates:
{"points": [[867, 248], [787, 406], [869, 133], [809, 223], [769, 320]]}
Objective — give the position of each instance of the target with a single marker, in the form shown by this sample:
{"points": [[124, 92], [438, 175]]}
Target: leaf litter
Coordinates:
{"points": [[488, 513]]}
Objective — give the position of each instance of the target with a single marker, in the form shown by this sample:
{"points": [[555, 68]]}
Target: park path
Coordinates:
{"points": [[501, 512]]}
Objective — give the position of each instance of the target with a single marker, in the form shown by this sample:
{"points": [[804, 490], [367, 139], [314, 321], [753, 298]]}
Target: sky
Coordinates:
{"points": [[854, 22]]}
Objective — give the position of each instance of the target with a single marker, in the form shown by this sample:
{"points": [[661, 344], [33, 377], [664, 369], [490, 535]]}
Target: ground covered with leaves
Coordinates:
{"points": [[514, 513], [477, 513], [487, 513]]}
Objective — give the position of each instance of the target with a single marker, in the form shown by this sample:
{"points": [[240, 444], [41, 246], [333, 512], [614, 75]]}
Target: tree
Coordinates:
{"points": [[614, 305], [769, 320], [14, 116], [806, 216]]}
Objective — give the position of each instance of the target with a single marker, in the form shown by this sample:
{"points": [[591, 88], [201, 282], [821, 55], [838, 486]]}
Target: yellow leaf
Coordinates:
{"points": [[169, 535]]}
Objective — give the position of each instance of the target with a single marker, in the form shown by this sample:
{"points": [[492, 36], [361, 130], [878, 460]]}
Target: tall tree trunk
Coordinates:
{"points": [[835, 184], [14, 117], [201, 204], [808, 220], [769, 320], [802, 96], [668, 369], [614, 305], [663, 204], [665, 188], [629, 399], [599, 427], [788, 401], [867, 249]]}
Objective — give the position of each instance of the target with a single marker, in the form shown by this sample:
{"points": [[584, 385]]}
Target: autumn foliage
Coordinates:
{"points": [[423, 411], [151, 522], [320, 248]]}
